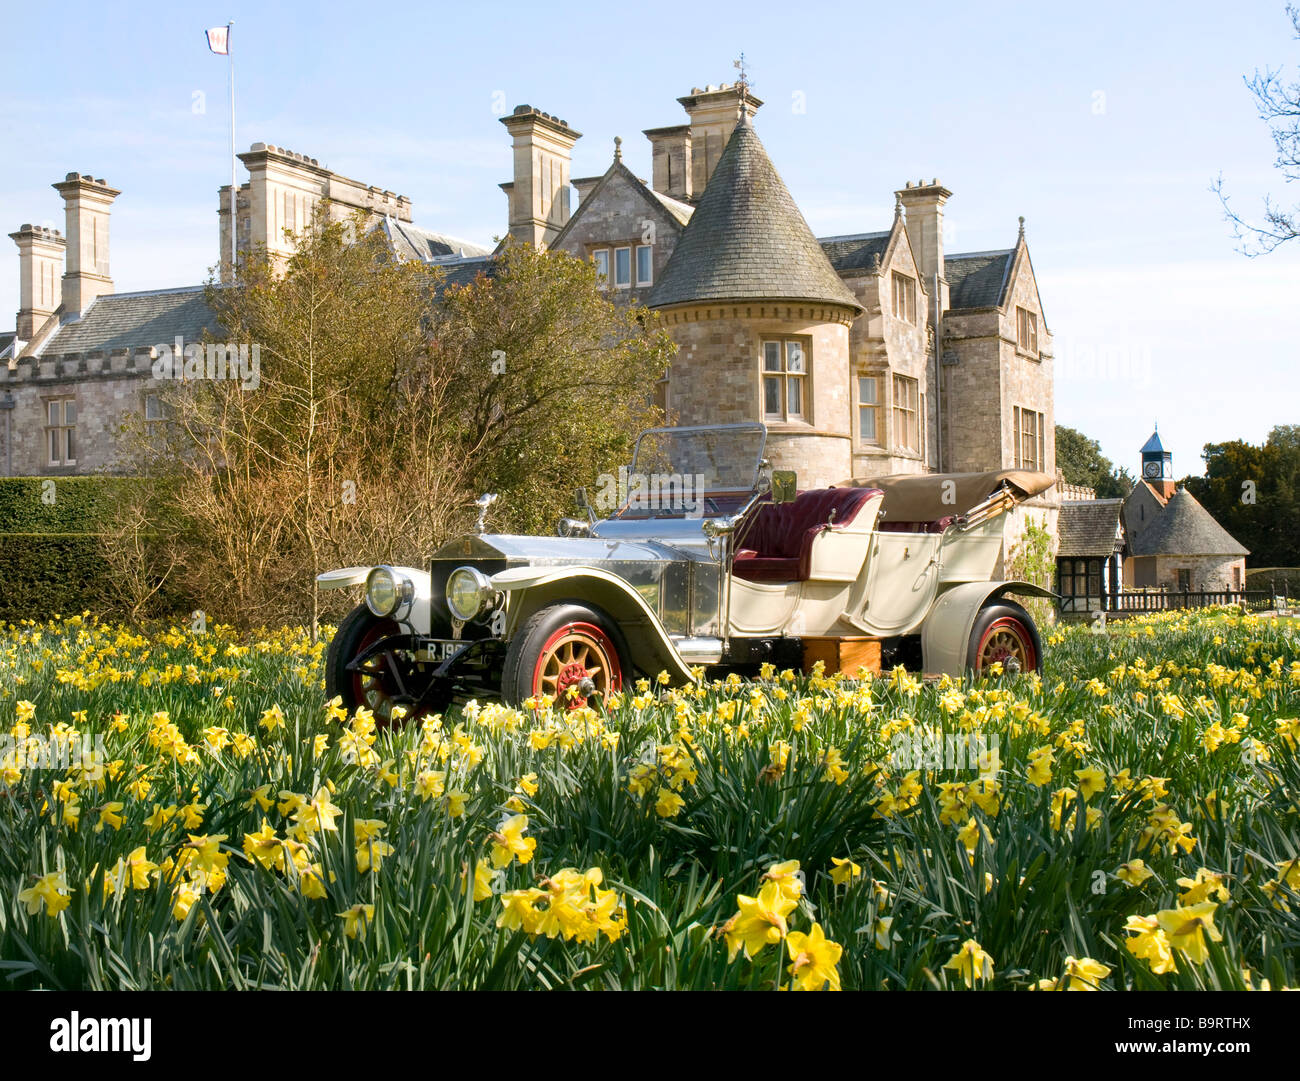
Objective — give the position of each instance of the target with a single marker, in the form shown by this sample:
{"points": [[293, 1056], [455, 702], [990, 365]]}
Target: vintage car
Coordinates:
{"points": [[704, 559]]}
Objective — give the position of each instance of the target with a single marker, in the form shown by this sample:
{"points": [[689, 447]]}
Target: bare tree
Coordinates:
{"points": [[1279, 107]]}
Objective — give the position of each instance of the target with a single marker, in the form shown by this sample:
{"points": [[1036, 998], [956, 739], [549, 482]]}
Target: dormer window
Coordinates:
{"points": [[644, 264], [904, 297], [622, 268], [601, 259]]}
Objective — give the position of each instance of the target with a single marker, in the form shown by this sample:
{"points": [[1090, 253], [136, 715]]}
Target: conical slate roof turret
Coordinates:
{"points": [[747, 239], [1185, 528]]}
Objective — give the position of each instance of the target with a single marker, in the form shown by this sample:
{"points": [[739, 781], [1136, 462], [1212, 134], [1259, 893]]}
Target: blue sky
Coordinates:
{"points": [[1102, 123]]}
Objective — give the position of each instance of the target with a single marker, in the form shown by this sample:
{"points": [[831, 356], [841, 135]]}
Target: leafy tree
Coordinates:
{"points": [[382, 404], [1081, 462], [1278, 103], [553, 382], [1254, 493]]}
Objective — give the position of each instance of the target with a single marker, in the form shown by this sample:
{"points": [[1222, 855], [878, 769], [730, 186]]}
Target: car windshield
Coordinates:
{"points": [[692, 471]]}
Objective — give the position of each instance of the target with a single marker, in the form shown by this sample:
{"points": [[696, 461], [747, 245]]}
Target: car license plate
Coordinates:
{"points": [[438, 650]]}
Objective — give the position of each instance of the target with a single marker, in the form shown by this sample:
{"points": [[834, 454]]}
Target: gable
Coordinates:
{"points": [[620, 209], [1022, 287]]}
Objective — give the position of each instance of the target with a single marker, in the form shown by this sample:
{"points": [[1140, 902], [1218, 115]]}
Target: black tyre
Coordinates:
{"points": [[1004, 632], [376, 688], [560, 647]]}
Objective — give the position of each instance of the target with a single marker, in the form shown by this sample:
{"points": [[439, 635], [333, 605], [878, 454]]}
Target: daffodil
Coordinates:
{"points": [[1149, 942], [265, 847], [1205, 885], [1187, 926], [509, 842], [971, 963], [357, 919], [50, 891], [1133, 873], [1084, 974], [844, 871], [759, 922], [272, 719], [668, 803], [814, 959]]}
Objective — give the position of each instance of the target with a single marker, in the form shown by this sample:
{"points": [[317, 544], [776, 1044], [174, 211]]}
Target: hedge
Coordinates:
{"points": [[1268, 577], [60, 505], [50, 558], [42, 574]]}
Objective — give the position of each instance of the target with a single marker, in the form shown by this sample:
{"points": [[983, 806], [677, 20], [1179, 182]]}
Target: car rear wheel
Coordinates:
{"points": [[1005, 633], [561, 648]]}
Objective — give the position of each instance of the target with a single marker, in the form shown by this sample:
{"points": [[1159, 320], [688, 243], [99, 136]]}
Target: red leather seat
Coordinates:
{"points": [[776, 538]]}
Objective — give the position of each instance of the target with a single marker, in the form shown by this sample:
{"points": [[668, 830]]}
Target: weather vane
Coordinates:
{"points": [[742, 84]]}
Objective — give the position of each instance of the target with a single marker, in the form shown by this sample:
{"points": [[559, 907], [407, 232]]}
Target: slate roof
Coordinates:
{"points": [[1088, 527], [679, 210], [464, 271], [747, 239], [134, 321], [849, 254], [1153, 445], [978, 279], [1185, 528], [411, 242]]}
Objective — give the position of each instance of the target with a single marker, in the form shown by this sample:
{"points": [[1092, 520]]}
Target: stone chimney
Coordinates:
{"points": [[86, 202], [40, 268], [671, 148], [539, 194], [713, 112], [923, 204], [584, 185]]}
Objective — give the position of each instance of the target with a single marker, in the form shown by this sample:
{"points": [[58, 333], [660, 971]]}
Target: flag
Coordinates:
{"points": [[219, 40]]}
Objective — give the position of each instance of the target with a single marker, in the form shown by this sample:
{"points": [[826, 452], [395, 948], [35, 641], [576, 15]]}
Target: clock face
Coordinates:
{"points": [[1152, 469]]}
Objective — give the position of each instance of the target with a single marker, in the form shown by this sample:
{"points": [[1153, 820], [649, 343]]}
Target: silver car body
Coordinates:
{"points": [[667, 582]]}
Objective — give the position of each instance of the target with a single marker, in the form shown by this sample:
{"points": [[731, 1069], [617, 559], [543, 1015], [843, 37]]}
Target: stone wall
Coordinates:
{"points": [[883, 344], [1209, 573], [716, 378], [1027, 379], [992, 376], [105, 387], [973, 420]]}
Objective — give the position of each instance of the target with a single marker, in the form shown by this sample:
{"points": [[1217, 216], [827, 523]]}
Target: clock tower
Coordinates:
{"points": [[1157, 464]]}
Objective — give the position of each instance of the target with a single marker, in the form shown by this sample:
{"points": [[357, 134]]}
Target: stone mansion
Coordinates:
{"points": [[870, 353]]}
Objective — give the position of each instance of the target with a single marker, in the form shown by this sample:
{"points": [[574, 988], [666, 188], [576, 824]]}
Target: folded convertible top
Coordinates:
{"points": [[923, 497]]}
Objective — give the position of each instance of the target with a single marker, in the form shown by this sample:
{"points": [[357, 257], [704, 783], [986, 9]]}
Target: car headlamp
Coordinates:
{"points": [[469, 592], [387, 591]]}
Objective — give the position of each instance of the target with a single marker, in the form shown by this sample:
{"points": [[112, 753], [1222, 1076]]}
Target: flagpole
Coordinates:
{"points": [[234, 189]]}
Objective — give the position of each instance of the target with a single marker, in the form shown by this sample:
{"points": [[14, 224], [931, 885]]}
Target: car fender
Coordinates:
{"points": [[420, 617], [533, 588], [945, 634]]}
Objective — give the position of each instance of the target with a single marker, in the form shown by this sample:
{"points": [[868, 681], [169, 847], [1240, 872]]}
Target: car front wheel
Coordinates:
{"points": [[1004, 633], [570, 652], [386, 680]]}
